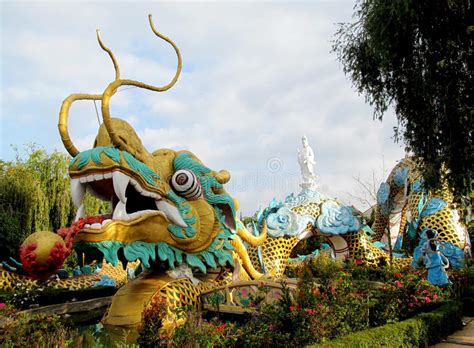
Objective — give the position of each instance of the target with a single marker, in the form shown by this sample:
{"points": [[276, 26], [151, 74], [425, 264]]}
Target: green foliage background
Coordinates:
{"points": [[417, 56], [35, 196]]}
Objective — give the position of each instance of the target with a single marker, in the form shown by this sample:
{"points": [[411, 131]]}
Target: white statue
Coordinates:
{"points": [[307, 163]]}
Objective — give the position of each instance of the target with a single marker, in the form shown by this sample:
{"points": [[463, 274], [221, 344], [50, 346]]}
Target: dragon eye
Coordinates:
{"points": [[186, 184]]}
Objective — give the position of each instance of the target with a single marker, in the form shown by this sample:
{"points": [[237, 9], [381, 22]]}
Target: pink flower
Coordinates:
{"points": [[427, 299], [270, 327], [398, 284], [435, 297], [2, 305], [292, 308]]}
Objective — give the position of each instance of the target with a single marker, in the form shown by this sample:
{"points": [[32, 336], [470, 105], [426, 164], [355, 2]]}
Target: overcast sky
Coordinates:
{"points": [[256, 77]]}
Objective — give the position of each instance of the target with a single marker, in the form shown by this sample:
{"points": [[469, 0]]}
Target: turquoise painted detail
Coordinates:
{"points": [[412, 230], [401, 176], [417, 186], [183, 208], [379, 245], [417, 260], [142, 251], [335, 219], [87, 270], [454, 254], [63, 274], [105, 280], [85, 157], [383, 193], [367, 229], [260, 215], [398, 243], [433, 206], [208, 182], [113, 153], [436, 264], [148, 174], [150, 251]]}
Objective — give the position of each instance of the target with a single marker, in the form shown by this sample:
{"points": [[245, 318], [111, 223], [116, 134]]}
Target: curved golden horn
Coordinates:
{"points": [[66, 105], [111, 55], [112, 89], [63, 116]]}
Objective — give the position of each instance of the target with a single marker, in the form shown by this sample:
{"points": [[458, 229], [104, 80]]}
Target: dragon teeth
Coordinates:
{"points": [[80, 212], [120, 181], [77, 192], [120, 213], [171, 212]]}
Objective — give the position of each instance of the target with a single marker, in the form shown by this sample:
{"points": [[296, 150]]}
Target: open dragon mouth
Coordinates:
{"points": [[129, 200]]}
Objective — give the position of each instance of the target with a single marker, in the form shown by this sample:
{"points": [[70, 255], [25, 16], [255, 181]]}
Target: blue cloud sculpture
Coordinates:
{"points": [[286, 222], [335, 219]]}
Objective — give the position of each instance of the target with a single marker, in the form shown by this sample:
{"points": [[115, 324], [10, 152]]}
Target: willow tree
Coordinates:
{"points": [[35, 196], [417, 56]]}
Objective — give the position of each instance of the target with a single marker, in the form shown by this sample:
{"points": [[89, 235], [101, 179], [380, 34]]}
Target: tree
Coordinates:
{"points": [[417, 56], [35, 196]]}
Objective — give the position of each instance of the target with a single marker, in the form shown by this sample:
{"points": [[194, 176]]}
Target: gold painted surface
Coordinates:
{"points": [[128, 303], [10, 282], [153, 228]]}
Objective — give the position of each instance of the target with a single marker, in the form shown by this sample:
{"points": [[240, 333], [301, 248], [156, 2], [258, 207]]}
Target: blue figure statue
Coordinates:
{"points": [[436, 264]]}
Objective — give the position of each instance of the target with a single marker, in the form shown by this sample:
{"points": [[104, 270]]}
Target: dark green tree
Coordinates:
{"points": [[35, 196], [417, 56]]}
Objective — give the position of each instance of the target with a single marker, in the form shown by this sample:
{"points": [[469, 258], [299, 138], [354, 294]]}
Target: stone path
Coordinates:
{"points": [[461, 338]]}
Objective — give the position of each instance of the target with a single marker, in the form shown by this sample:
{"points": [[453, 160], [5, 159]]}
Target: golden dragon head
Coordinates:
{"points": [[167, 205]]}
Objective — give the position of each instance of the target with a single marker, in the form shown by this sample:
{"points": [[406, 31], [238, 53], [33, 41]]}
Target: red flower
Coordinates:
{"points": [[270, 327], [220, 328], [398, 275], [398, 284], [359, 262], [2, 305], [292, 308]]}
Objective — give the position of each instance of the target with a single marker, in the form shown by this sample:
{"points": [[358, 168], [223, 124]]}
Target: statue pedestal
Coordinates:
{"points": [[310, 183], [309, 186]]}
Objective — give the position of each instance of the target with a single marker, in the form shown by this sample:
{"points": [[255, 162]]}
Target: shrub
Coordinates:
{"points": [[420, 331]]}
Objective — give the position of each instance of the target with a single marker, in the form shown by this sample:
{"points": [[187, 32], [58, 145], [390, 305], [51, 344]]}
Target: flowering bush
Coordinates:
{"points": [[333, 299], [152, 320], [22, 330]]}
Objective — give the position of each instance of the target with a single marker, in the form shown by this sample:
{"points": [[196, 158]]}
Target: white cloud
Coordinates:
{"points": [[256, 76]]}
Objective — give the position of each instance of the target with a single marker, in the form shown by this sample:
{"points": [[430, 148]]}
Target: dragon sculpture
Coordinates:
{"points": [[172, 214]]}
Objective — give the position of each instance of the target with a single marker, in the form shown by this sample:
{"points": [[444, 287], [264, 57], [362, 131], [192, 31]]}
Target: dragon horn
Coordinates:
{"points": [[66, 105], [112, 89]]}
